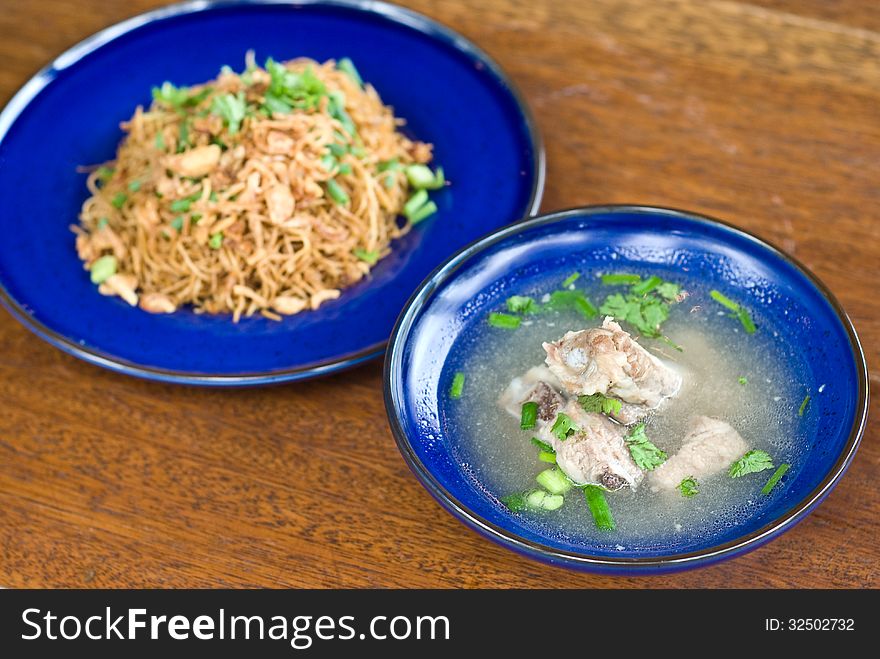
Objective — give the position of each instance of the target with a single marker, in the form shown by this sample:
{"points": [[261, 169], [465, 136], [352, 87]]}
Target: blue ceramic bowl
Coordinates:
{"points": [[783, 295], [449, 91]]}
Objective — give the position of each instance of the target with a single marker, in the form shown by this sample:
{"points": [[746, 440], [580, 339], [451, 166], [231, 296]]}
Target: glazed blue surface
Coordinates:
{"points": [[448, 91], [424, 353]]}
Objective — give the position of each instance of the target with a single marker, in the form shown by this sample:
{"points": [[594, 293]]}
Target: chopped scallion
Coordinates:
{"points": [[414, 203], [216, 240], [347, 67], [102, 269], [572, 278], [595, 496], [620, 279], [336, 192], [804, 404], [737, 310], [504, 320], [544, 446], [422, 178], [554, 481], [457, 385], [646, 286], [529, 415], [366, 256], [774, 479], [119, 200], [423, 213]]}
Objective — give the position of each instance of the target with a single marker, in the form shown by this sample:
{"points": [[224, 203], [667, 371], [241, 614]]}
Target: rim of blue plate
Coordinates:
{"points": [[412, 19], [679, 561]]}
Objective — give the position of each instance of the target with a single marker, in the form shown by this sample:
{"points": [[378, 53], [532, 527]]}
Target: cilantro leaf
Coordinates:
{"points": [[563, 427], [615, 305], [751, 463], [644, 453], [688, 487], [514, 502], [600, 404], [669, 291]]}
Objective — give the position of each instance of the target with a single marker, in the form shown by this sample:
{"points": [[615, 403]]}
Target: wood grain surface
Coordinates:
{"points": [[764, 113]]}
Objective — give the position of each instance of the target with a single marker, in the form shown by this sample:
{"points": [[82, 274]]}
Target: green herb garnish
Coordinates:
{"points": [[613, 280], [366, 256], [182, 205], [347, 67], [288, 89], [388, 166], [737, 311], [572, 278], [232, 109], [104, 173], [544, 446], [457, 385], [804, 404], [546, 453], [504, 320], [644, 453], [529, 415], [600, 404], [563, 427], [576, 300], [421, 177], [669, 291], [102, 269], [514, 502], [751, 463], [688, 487], [522, 304], [415, 202], [177, 223], [336, 192], [774, 479], [595, 496], [134, 186], [646, 286], [423, 213], [216, 240], [646, 313], [743, 380], [119, 200]]}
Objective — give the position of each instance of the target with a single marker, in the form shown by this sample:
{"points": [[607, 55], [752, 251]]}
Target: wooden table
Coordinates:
{"points": [[765, 112]]}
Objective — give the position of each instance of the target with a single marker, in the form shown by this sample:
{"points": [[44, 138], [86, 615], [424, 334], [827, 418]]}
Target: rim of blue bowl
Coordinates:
{"points": [[583, 561], [408, 17]]}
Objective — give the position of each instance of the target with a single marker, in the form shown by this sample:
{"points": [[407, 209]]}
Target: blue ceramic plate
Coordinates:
{"points": [[448, 90], [426, 349]]}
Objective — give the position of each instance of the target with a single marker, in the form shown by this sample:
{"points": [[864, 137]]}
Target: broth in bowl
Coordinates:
{"points": [[624, 409]]}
